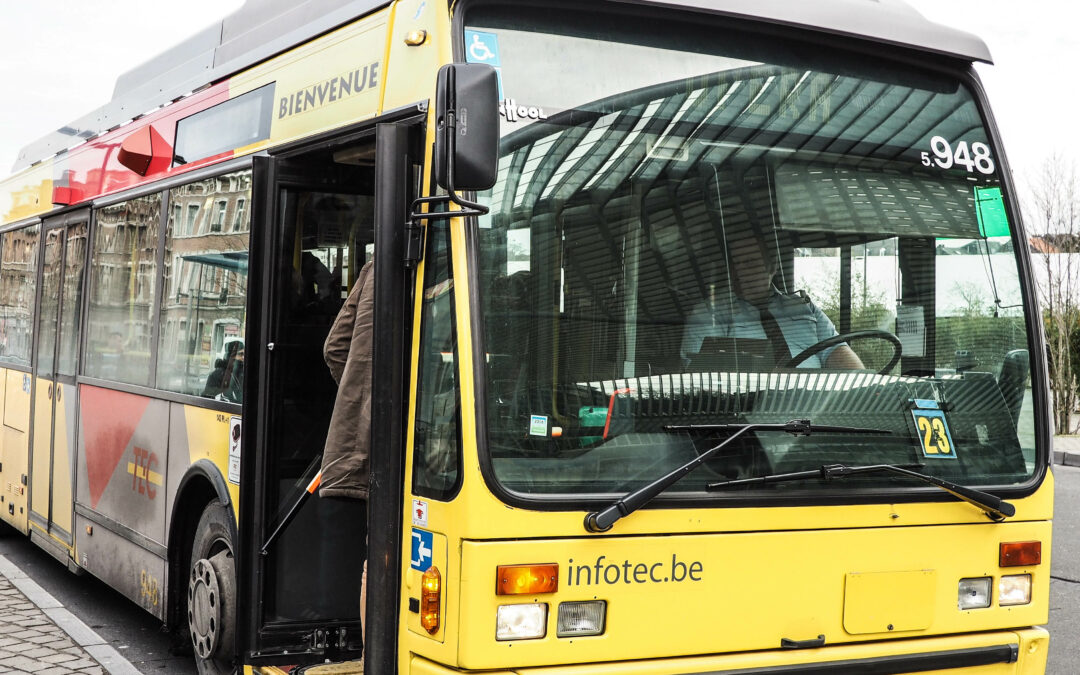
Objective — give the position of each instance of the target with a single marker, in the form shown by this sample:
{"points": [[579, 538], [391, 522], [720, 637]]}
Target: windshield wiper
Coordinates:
{"points": [[601, 521], [996, 508], [801, 427]]}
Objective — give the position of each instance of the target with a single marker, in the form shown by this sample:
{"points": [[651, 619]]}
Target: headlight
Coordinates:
{"points": [[581, 618], [1014, 589], [521, 622], [974, 593]]}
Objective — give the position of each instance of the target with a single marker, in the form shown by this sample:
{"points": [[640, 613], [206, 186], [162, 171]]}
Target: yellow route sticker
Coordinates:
{"points": [[934, 435]]}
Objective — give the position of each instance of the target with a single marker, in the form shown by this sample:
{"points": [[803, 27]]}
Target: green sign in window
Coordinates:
{"points": [[990, 209]]}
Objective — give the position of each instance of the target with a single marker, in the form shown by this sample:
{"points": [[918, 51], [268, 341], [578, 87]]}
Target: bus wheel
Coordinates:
{"points": [[211, 593]]}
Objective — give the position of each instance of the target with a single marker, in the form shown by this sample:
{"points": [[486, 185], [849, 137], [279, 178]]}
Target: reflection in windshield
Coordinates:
{"points": [[776, 239]]}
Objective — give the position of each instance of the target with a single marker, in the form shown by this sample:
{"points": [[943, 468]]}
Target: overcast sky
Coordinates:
{"points": [[1031, 85], [59, 60]]}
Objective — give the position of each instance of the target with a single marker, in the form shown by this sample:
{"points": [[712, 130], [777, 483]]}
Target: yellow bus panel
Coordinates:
{"points": [[14, 468], [208, 437], [62, 457], [1029, 646], [27, 193], [324, 84], [17, 400], [693, 594]]}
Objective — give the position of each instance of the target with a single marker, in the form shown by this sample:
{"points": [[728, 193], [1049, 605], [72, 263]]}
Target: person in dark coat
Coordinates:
{"points": [[348, 354]]}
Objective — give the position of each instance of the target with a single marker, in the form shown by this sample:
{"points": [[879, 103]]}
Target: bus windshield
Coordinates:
{"points": [[743, 230]]}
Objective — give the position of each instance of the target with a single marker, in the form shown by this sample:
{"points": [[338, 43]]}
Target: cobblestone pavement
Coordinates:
{"points": [[31, 643], [39, 636]]}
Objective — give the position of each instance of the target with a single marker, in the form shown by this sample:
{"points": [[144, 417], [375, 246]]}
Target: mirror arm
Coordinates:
{"points": [[444, 175], [413, 246], [468, 208]]}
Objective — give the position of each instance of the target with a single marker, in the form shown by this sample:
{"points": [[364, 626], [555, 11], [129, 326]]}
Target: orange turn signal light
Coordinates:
{"points": [[526, 579], [430, 593], [1019, 553]]}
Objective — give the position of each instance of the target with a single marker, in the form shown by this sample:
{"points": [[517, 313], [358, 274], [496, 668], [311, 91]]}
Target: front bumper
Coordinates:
{"points": [[1021, 652]]}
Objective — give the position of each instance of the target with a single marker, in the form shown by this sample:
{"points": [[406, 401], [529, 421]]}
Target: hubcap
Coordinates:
{"points": [[204, 608]]}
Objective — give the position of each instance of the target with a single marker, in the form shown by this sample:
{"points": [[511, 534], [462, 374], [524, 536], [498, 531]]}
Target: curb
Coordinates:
{"points": [[1066, 458], [1066, 450], [79, 632]]}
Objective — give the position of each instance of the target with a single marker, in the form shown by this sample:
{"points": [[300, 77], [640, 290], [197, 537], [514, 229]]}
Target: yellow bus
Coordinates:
{"points": [[705, 341]]}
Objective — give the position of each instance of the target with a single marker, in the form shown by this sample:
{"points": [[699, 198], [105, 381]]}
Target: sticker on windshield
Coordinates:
{"points": [[990, 210], [481, 47], [538, 425], [974, 157], [934, 435]]}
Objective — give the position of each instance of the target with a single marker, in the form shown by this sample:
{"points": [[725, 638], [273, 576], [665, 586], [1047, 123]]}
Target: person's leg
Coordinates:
{"points": [[363, 603]]}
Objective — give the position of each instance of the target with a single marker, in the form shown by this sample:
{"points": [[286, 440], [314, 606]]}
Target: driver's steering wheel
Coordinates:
{"points": [[847, 337]]}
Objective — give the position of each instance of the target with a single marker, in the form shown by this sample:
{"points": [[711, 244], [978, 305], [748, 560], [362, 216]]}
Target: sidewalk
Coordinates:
{"points": [[38, 636]]}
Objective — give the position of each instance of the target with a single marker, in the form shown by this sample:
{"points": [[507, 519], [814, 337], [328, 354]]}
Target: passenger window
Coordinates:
{"points": [[437, 458], [71, 306], [49, 307], [204, 308], [123, 271], [19, 251]]}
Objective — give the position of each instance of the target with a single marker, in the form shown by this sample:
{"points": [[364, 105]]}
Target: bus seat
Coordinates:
{"points": [[1012, 380]]}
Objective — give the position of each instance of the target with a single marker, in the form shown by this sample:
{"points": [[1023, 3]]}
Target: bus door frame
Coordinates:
{"points": [[48, 534], [398, 150]]}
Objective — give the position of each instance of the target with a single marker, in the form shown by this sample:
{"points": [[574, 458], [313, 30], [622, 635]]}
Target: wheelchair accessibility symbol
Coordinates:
{"points": [[423, 543], [482, 47]]}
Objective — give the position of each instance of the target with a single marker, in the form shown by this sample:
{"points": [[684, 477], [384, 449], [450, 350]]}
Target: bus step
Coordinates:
{"points": [[344, 668]]}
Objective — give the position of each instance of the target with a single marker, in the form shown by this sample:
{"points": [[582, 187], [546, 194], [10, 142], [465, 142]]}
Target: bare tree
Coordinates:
{"points": [[1052, 211]]}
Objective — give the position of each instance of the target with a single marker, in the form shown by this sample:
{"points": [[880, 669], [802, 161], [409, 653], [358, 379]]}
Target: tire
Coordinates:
{"points": [[211, 592]]}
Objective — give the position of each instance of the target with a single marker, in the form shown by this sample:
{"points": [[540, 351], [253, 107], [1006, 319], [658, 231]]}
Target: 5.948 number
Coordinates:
{"points": [[975, 157]]}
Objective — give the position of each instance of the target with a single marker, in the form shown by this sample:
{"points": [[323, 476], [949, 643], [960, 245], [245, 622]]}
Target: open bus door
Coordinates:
{"points": [[323, 210]]}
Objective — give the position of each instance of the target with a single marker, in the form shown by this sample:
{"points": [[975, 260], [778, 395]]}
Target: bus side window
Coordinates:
{"points": [[123, 285], [437, 456], [17, 291], [204, 307]]}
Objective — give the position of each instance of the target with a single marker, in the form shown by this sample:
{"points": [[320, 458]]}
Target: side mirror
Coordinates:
{"points": [[467, 127]]}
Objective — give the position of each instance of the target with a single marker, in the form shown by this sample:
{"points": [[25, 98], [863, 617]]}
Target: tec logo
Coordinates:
{"points": [[143, 477], [422, 543]]}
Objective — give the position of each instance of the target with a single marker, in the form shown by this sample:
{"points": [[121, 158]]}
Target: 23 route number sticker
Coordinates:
{"points": [[934, 434], [975, 157]]}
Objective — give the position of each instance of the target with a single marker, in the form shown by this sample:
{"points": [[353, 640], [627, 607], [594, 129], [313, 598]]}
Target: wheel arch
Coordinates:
{"points": [[202, 483]]}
